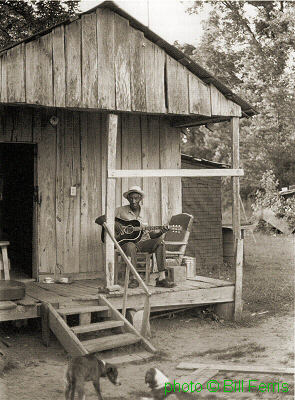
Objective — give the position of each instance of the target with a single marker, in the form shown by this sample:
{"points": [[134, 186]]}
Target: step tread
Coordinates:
{"points": [[110, 342], [97, 326], [141, 356], [81, 309]]}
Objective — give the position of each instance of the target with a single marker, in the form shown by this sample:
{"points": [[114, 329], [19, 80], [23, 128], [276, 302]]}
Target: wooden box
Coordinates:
{"points": [[177, 273]]}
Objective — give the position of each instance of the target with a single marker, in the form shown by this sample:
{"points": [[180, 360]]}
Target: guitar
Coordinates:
{"points": [[131, 231]]}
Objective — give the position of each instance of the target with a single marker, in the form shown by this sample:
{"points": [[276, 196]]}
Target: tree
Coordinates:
{"points": [[250, 46], [21, 19]]}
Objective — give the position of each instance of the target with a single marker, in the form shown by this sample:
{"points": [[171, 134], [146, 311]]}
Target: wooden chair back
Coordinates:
{"points": [[176, 242]]}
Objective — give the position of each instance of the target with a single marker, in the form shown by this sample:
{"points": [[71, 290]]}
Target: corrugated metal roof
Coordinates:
{"points": [[203, 161], [171, 50], [287, 192]]}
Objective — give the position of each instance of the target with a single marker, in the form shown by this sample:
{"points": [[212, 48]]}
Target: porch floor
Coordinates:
{"points": [[198, 290]]}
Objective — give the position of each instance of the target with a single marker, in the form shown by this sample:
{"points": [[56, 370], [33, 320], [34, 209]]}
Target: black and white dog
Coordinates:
{"points": [[162, 388], [87, 368]]}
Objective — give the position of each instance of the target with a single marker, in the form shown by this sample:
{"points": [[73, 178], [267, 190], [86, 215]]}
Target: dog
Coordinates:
{"points": [[87, 368], [162, 388]]}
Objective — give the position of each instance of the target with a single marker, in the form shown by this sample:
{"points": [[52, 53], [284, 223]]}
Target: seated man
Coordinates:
{"points": [[150, 242]]}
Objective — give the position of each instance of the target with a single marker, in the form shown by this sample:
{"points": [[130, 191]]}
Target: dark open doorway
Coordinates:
{"points": [[16, 205]]}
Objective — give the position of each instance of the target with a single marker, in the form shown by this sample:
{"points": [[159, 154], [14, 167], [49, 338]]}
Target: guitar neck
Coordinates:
{"points": [[146, 228], [128, 227], [151, 228]]}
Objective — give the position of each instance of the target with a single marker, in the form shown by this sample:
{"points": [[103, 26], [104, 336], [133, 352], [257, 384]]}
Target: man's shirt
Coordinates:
{"points": [[126, 213]]}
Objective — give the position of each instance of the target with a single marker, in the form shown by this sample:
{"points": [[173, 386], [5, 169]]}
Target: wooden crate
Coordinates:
{"points": [[177, 273]]}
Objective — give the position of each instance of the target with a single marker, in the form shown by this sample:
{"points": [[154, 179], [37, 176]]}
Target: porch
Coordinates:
{"points": [[195, 291]]}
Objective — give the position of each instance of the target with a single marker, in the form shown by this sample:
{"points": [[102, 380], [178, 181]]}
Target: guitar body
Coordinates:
{"points": [[132, 231]]}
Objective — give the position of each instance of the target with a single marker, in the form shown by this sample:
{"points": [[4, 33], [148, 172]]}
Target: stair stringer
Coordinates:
{"points": [[64, 334]]}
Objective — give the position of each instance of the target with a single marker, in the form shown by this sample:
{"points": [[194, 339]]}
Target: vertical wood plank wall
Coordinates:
{"points": [[151, 159], [73, 153], [47, 170], [148, 142], [170, 158]]}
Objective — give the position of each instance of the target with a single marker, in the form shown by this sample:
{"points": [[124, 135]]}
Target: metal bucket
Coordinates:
{"points": [[191, 268]]}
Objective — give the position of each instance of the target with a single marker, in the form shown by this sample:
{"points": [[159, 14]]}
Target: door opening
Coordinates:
{"points": [[16, 205]]}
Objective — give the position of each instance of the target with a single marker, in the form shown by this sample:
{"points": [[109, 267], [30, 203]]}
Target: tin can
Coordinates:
{"points": [[190, 263]]}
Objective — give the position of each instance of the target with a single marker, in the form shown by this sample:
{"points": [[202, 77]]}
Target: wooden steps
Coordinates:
{"points": [[98, 326], [111, 331], [139, 356], [81, 310], [110, 342]]}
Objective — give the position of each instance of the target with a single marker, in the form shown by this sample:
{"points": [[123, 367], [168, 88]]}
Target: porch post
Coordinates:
{"points": [[112, 127], [238, 243], [235, 133]]}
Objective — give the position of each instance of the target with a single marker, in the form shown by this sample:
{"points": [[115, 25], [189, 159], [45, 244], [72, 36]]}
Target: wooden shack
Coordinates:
{"points": [[88, 108]]}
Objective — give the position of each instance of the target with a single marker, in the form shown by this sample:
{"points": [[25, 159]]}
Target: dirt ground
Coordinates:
{"points": [[35, 372]]}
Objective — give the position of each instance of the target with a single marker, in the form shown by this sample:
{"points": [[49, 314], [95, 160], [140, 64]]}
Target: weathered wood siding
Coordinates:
{"points": [[199, 96], [100, 62], [220, 105], [73, 153]]}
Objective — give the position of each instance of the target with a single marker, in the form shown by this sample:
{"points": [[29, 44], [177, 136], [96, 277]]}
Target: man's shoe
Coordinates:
{"points": [[164, 283], [133, 284]]}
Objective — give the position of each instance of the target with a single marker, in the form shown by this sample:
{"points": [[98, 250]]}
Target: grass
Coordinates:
{"points": [[268, 273], [268, 280]]}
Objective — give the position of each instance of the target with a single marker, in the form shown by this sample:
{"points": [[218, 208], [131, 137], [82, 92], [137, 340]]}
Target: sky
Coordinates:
{"points": [[167, 18]]}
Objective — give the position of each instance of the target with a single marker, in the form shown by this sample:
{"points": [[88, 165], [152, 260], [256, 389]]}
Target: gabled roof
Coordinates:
{"points": [[172, 51]]}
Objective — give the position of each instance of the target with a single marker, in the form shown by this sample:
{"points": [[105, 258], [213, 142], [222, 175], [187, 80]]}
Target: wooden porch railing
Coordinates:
{"points": [[147, 305]]}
